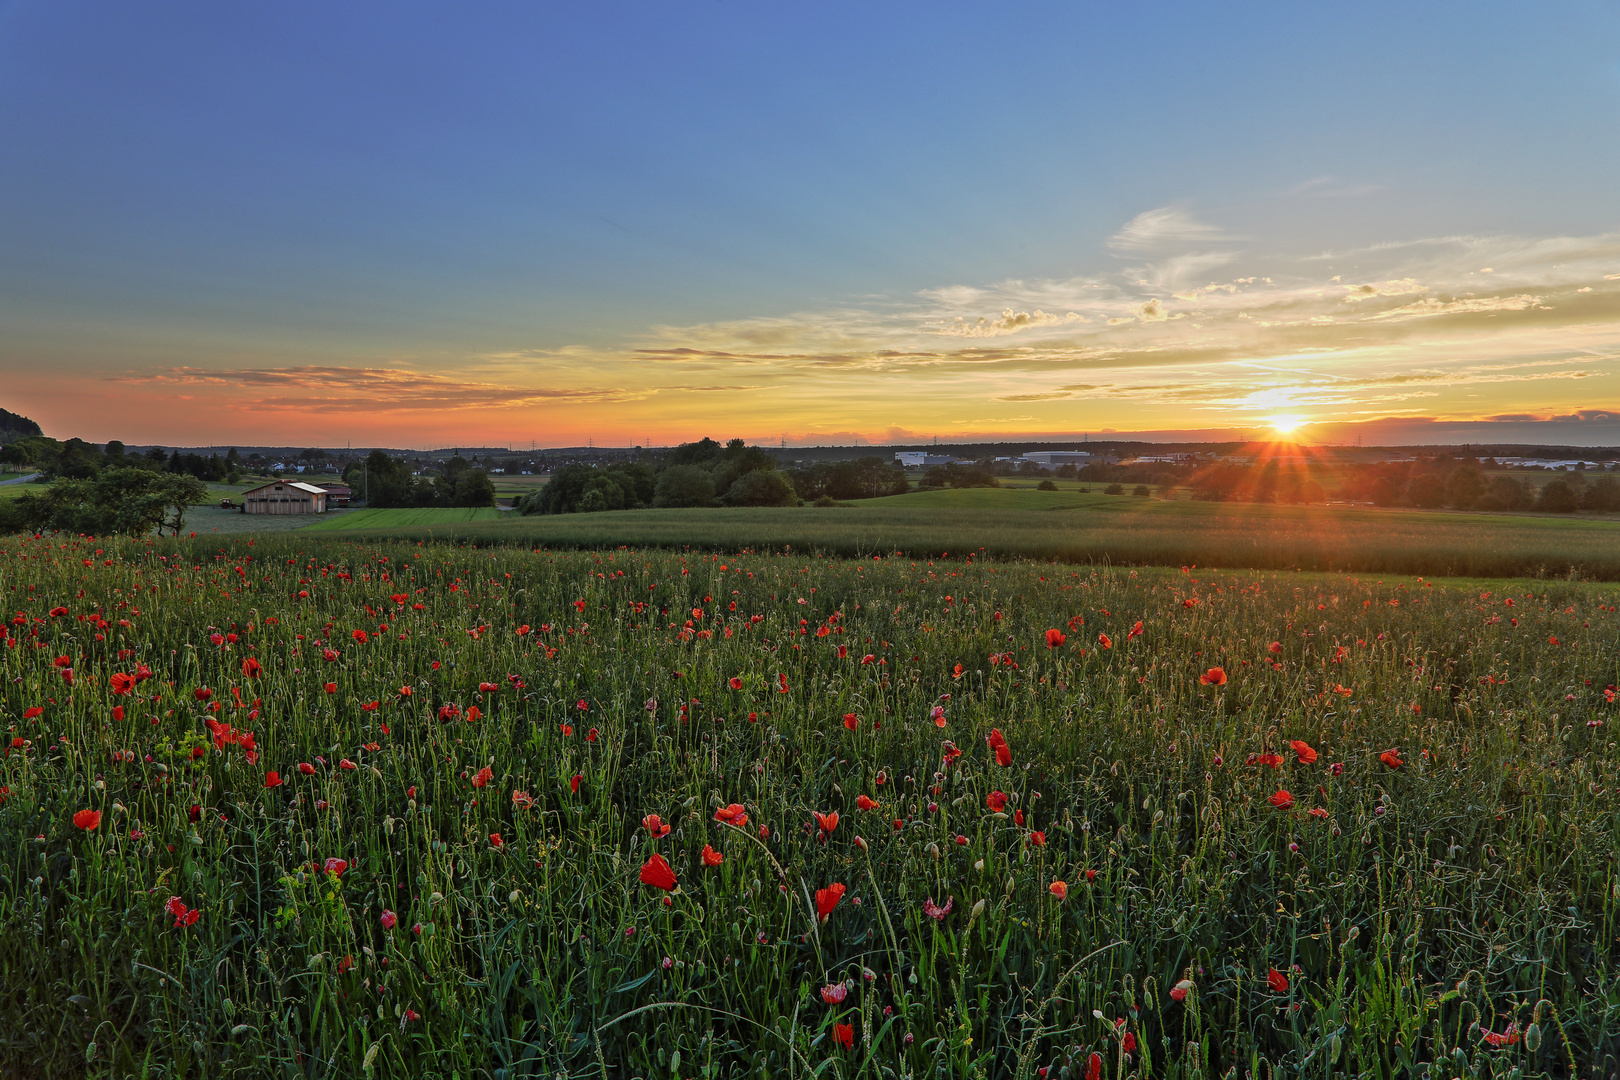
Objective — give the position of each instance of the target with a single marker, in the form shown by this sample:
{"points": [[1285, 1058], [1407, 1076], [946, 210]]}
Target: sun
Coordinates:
{"points": [[1287, 425]]}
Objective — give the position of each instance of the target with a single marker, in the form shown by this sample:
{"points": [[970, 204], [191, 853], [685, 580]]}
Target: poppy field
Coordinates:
{"points": [[307, 807]]}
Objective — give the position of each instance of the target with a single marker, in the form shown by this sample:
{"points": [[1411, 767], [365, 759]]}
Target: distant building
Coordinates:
{"points": [[284, 497], [1053, 458], [908, 459]]}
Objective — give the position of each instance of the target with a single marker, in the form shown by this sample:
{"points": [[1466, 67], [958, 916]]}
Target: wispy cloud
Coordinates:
{"points": [[1165, 227]]}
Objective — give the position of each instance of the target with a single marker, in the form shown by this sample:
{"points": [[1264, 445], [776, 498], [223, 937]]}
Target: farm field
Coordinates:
{"points": [[305, 806], [425, 517], [1118, 529]]}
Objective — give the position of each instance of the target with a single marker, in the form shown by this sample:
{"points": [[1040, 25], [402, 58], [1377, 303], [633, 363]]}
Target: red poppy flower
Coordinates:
{"points": [[655, 825], [862, 802], [487, 687], [996, 801], [934, 911], [827, 899], [852, 721], [388, 919], [736, 683], [33, 711], [843, 1035], [1136, 631], [1282, 800], [869, 658], [117, 712], [1037, 838], [336, 866], [330, 688], [1318, 812], [566, 729], [1105, 641], [1178, 992], [781, 683], [1277, 980], [87, 819], [828, 822], [272, 779], [202, 693], [360, 636], [735, 814], [657, 873], [483, 776], [1054, 639], [712, 857], [834, 993], [1275, 647], [1094, 1066], [1059, 889], [573, 783], [121, 682], [251, 668], [1270, 761], [495, 840], [347, 765], [1392, 758], [306, 768], [1213, 677], [999, 745], [1304, 750]]}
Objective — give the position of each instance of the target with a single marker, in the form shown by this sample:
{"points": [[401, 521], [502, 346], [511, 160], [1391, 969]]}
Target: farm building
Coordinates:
{"points": [[284, 497], [336, 494]]}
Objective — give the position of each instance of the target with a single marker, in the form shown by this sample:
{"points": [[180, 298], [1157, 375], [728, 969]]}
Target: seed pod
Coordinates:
{"points": [[1532, 1038], [1333, 1047]]}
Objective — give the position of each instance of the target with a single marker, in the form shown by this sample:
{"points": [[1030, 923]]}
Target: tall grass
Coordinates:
{"points": [[1382, 925], [1119, 531]]}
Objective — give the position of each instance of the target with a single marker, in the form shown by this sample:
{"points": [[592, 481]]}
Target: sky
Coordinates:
{"points": [[423, 224]]}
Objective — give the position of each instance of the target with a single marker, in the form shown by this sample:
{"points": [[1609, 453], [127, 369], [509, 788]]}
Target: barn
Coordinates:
{"points": [[284, 497]]}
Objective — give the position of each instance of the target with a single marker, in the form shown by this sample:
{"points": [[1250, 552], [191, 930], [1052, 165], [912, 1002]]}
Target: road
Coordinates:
{"points": [[19, 479]]}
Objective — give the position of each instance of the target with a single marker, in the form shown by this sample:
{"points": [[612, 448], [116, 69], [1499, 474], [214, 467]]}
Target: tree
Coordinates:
{"points": [[473, 488], [123, 501], [761, 488], [1504, 493], [1426, 490], [684, 485], [1602, 494], [1464, 486], [1557, 498]]}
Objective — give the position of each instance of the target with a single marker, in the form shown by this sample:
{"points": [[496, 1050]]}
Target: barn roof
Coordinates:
{"points": [[296, 485]]}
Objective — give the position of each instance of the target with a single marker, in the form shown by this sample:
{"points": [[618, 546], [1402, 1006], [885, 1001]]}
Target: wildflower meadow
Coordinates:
{"points": [[306, 807]]}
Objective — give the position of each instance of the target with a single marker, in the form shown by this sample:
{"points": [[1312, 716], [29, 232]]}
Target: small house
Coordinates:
{"points": [[284, 497], [336, 494]]}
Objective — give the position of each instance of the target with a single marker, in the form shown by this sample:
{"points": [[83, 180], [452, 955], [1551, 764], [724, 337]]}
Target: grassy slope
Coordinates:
{"points": [[1067, 525]]}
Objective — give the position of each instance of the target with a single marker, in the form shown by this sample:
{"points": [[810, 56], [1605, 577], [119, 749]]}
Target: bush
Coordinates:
{"points": [[1141, 490], [826, 500], [1046, 485], [1114, 489]]}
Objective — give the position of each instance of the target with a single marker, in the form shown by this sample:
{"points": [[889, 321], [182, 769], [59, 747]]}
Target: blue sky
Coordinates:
{"points": [[650, 221]]}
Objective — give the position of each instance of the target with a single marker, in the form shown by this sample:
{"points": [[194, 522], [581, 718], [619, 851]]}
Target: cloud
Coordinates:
{"points": [[1152, 311], [1010, 323], [1402, 287], [1430, 306], [326, 389], [1166, 227]]}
